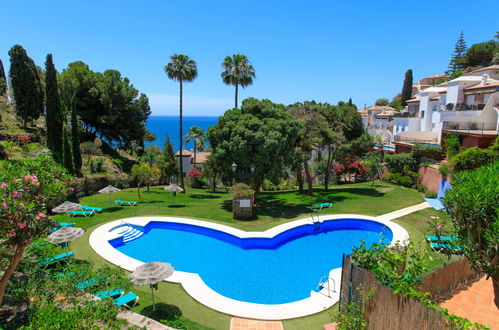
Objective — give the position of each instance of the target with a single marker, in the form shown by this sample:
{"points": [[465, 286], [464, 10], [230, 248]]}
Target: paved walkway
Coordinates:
{"points": [[245, 324], [476, 303], [403, 212]]}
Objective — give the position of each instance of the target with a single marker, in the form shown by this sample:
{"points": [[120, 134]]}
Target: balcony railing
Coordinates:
{"points": [[414, 139], [470, 126], [461, 107]]}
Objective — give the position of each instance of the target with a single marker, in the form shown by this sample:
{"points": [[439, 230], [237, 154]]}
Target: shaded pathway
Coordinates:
{"points": [[476, 303]]}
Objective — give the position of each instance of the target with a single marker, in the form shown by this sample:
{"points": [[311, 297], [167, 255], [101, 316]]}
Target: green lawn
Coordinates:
{"points": [[273, 208]]}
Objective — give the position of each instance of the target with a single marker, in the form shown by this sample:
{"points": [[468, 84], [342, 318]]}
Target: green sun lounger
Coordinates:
{"points": [[129, 203], [80, 213], [88, 283], [59, 257], [92, 208], [431, 238], [129, 300], [109, 293]]}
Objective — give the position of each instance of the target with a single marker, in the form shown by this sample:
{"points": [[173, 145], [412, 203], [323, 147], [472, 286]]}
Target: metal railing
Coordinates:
{"points": [[469, 126], [462, 107], [414, 139]]}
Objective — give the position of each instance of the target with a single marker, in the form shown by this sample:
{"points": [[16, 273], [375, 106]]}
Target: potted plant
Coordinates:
{"points": [[473, 125], [242, 201]]}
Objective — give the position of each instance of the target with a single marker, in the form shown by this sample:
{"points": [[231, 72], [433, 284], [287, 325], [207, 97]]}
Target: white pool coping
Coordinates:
{"points": [[197, 289]]}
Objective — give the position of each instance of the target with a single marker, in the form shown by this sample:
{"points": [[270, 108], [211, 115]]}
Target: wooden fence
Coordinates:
{"points": [[386, 310], [443, 281]]}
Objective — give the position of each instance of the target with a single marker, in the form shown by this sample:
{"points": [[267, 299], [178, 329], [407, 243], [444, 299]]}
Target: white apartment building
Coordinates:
{"points": [[469, 102]]}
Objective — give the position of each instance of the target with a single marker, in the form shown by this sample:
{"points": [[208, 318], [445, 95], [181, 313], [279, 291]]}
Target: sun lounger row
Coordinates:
{"points": [[129, 300]]}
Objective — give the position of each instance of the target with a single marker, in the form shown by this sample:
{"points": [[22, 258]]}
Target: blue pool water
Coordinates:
{"points": [[259, 270]]}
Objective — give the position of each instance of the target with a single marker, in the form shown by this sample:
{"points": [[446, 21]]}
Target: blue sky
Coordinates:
{"points": [[301, 50]]}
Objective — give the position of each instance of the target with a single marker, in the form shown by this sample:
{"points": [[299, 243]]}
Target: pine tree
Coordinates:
{"points": [[54, 116], [75, 140], [3, 80], [406, 88], [26, 85], [456, 62], [68, 157]]}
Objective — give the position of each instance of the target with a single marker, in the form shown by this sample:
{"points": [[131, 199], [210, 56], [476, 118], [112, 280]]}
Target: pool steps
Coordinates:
{"points": [[129, 233]]}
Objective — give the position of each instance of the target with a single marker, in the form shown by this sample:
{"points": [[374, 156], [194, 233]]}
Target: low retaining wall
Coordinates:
{"points": [[430, 178]]}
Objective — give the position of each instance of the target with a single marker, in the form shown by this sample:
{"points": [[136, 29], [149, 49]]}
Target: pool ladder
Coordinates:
{"points": [[315, 220], [325, 283]]}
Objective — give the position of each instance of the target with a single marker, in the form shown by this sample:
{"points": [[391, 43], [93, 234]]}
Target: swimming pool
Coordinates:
{"points": [[225, 268]]}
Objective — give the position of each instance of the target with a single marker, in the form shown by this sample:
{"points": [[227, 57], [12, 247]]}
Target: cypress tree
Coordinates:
{"points": [[26, 86], [54, 116], [350, 102], [406, 88], [68, 157], [75, 140], [456, 62], [3, 80]]}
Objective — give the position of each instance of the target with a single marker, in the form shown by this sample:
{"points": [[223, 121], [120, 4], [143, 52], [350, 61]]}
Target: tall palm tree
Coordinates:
{"points": [[196, 135], [238, 71], [181, 68]]}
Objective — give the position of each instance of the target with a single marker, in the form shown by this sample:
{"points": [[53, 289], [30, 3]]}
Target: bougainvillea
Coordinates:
{"points": [[194, 173], [28, 190]]}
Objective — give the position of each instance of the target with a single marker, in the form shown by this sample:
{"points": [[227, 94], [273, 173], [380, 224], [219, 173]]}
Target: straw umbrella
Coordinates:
{"points": [[65, 235], [151, 273], [109, 190], [66, 207], [174, 188]]}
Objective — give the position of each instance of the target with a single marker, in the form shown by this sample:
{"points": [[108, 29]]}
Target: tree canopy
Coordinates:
{"points": [[456, 63], [260, 133], [54, 114], [3, 80], [481, 54], [107, 104], [26, 85], [237, 71]]}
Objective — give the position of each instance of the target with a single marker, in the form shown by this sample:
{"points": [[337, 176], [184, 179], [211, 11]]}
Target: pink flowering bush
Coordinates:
{"points": [[28, 190]]}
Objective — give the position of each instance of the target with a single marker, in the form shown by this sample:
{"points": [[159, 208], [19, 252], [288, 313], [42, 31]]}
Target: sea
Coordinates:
{"points": [[161, 126]]}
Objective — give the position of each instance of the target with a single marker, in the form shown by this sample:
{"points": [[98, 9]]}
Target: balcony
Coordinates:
{"points": [[470, 126]]}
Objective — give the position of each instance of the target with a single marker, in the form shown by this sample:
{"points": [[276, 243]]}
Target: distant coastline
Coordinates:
{"points": [[160, 126]]}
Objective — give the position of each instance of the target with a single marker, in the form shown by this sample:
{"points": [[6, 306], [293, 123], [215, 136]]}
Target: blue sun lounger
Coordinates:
{"points": [[323, 205], [444, 239], [88, 283], [80, 213], [59, 257], [129, 203], [437, 247], [126, 300], [66, 224], [92, 208], [109, 293]]}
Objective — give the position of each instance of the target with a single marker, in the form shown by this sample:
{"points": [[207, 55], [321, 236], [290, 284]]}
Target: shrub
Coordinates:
{"points": [[452, 145], [444, 169], [96, 165], [495, 146], [406, 181], [89, 148], [471, 159], [399, 163], [425, 151], [241, 191], [429, 194], [118, 163], [472, 205]]}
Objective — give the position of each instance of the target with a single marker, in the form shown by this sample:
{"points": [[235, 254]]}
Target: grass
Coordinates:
{"points": [[273, 208]]}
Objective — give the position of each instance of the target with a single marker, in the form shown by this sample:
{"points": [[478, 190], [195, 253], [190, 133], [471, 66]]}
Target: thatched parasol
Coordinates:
{"points": [[109, 190], [174, 188], [151, 273], [66, 207], [65, 234]]}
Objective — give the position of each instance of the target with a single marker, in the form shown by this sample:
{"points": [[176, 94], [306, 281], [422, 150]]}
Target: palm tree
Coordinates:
{"points": [[238, 71], [196, 135], [181, 68]]}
